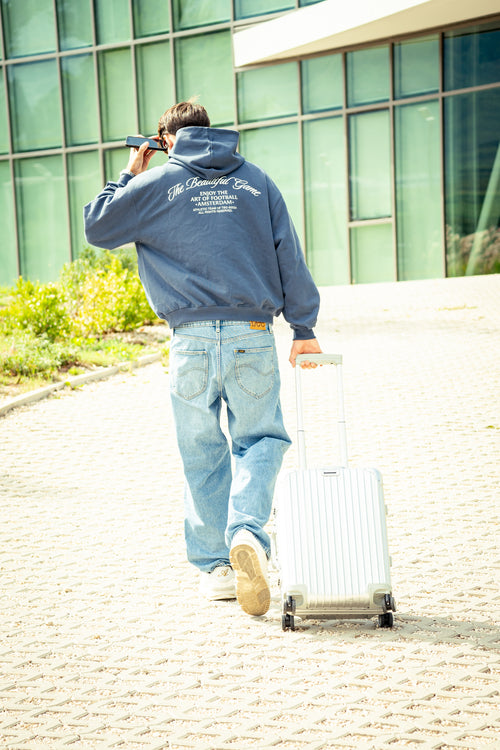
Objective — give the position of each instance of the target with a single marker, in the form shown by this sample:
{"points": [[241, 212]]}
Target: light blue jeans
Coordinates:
{"points": [[210, 362]]}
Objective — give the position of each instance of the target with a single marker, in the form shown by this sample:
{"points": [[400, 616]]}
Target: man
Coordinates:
{"points": [[219, 258]]}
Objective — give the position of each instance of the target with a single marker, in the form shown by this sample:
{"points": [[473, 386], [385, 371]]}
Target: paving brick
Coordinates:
{"points": [[104, 641]]}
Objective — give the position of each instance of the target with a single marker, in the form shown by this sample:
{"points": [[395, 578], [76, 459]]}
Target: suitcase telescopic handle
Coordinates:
{"points": [[320, 359]]}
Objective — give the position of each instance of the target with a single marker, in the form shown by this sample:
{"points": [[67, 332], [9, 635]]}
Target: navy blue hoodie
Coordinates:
{"points": [[213, 236]]}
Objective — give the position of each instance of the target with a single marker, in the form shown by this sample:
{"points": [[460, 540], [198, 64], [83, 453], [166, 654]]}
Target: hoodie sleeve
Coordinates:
{"points": [[110, 219], [301, 296]]}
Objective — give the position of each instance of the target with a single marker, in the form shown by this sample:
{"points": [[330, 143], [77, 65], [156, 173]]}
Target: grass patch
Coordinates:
{"points": [[95, 315]]}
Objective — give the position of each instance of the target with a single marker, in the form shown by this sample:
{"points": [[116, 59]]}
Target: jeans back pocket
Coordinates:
{"points": [[255, 370], [190, 373]]}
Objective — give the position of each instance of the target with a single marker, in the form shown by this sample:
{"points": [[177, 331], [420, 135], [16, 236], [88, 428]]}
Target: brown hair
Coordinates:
{"points": [[182, 115]]}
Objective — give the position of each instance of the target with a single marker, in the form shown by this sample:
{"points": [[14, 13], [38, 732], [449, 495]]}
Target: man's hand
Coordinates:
{"points": [[306, 346], [139, 158]]}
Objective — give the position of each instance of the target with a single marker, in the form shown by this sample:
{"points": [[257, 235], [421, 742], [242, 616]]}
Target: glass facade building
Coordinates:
{"points": [[387, 155]]}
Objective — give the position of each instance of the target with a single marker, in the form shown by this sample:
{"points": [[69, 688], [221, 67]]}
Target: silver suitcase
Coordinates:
{"points": [[330, 536]]}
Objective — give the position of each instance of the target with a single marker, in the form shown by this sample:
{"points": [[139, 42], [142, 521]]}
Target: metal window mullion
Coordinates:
{"points": [[97, 91], [63, 132], [345, 117], [393, 163], [301, 163], [172, 51], [442, 144], [4, 68], [133, 52]]}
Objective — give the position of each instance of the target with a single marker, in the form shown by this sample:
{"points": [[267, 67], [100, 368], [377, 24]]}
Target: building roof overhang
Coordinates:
{"points": [[332, 25]]}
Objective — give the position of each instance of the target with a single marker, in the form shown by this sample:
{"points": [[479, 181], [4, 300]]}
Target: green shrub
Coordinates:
{"points": [[24, 354], [111, 299], [38, 308]]}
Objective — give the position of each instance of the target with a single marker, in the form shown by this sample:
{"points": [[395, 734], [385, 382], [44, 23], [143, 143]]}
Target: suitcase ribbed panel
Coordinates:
{"points": [[332, 541]]}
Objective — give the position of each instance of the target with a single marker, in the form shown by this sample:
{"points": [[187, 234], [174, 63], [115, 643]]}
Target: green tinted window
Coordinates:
{"points": [[248, 8], [84, 183], [325, 189], [204, 68], [150, 17], [156, 90], [372, 254], [80, 100], [368, 77], [116, 94], [268, 92], [114, 161], [472, 182], [416, 67], [370, 165], [276, 149], [189, 14], [4, 131], [28, 26], [418, 191], [322, 83], [471, 58], [35, 105], [112, 19], [41, 201], [8, 256], [74, 24]]}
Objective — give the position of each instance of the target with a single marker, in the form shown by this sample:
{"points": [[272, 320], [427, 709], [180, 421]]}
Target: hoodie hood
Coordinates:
{"points": [[207, 152]]}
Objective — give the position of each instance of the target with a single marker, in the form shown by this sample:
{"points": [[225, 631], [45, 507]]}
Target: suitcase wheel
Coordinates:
{"points": [[287, 622], [386, 620], [287, 619]]}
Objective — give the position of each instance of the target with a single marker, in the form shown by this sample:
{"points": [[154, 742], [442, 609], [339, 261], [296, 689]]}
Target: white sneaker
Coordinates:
{"points": [[218, 584], [249, 562]]}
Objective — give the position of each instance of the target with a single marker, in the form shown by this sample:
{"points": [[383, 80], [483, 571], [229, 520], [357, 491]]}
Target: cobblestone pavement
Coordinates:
{"points": [[104, 641]]}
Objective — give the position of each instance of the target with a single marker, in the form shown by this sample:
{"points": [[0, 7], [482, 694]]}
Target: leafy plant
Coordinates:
{"points": [[38, 308], [25, 354]]}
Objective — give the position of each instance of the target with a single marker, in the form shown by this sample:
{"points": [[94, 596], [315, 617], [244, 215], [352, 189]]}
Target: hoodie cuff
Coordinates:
{"points": [[300, 333], [125, 176]]}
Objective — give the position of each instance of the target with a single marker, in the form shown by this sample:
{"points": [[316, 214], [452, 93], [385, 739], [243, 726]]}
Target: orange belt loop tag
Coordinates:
{"points": [[255, 326]]}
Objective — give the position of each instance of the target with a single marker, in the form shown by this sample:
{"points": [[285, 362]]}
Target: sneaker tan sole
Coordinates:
{"points": [[252, 588]]}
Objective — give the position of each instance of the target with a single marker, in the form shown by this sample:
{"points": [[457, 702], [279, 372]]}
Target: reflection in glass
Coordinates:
{"points": [[368, 76], [42, 218], [370, 165], [84, 182], [156, 90], [8, 255], [372, 253], [248, 8], [471, 57], [150, 17], [116, 94], [416, 67], [267, 92], [204, 69], [276, 150], [80, 100], [325, 188], [35, 108], [74, 24], [418, 191], [114, 161], [322, 83], [472, 183], [4, 131], [112, 19], [188, 14], [28, 27]]}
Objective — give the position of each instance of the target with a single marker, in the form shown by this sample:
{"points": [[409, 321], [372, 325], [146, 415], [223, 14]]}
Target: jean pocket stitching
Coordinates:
{"points": [[204, 369], [240, 368]]}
